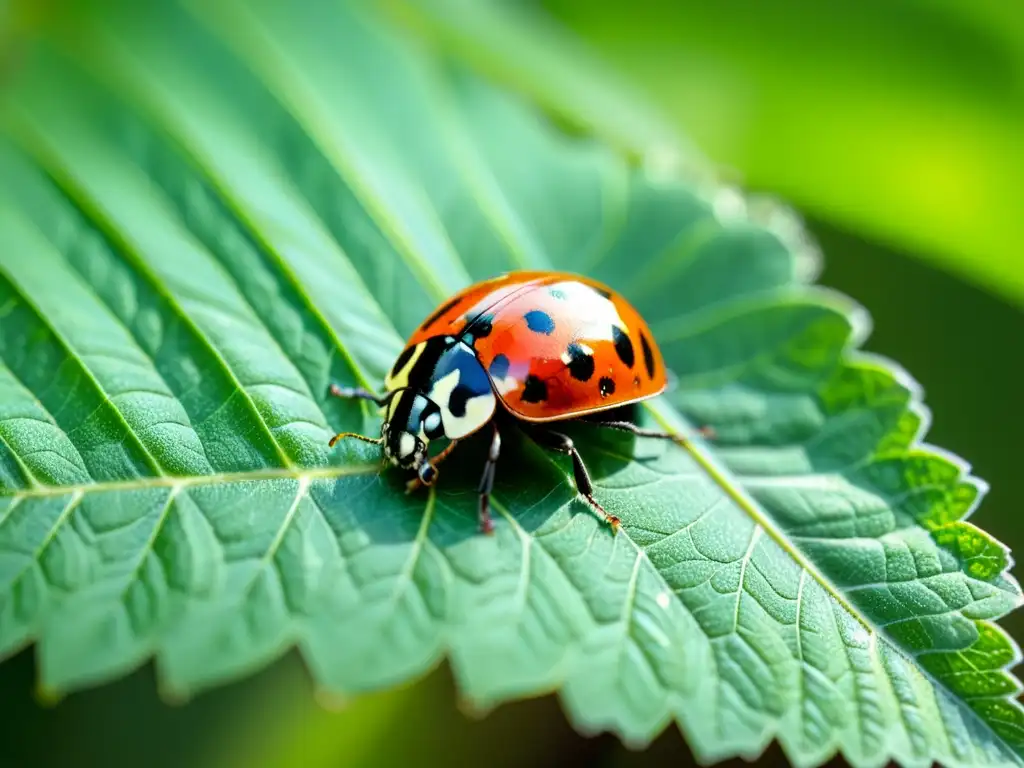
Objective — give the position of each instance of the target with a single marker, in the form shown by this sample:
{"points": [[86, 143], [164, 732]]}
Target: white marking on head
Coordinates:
{"points": [[406, 445], [432, 422], [478, 409]]}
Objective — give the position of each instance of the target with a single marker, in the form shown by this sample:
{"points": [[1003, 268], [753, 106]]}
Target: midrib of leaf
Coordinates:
{"points": [[749, 506], [292, 91], [303, 478], [734, 490], [307, 474], [304, 111], [762, 520]]}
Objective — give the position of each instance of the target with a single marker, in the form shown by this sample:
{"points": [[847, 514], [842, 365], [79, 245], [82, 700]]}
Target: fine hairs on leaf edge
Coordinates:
{"points": [[861, 326]]}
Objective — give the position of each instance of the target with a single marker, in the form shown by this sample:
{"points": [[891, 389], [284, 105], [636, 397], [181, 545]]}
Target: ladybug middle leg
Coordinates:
{"points": [[487, 482], [556, 441]]}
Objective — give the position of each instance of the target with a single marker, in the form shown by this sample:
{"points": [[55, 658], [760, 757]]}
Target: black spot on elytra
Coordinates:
{"points": [[623, 346], [602, 292], [481, 327], [606, 386], [439, 312], [539, 322], [648, 355], [557, 293], [498, 367], [581, 362], [636, 382], [457, 401], [534, 390], [402, 360]]}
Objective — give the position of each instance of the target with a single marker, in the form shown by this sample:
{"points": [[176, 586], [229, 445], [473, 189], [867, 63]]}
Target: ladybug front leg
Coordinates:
{"points": [[556, 441], [417, 482], [358, 393], [487, 483], [348, 393]]}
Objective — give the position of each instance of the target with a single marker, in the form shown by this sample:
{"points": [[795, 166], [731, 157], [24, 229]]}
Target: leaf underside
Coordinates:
{"points": [[210, 212]]}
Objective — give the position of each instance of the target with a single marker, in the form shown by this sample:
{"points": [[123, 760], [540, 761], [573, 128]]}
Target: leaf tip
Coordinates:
{"points": [[47, 696], [331, 700], [173, 695], [473, 709]]}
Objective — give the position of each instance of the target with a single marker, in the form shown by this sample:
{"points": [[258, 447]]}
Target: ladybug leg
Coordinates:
{"points": [[348, 393], [417, 481], [627, 426], [487, 483], [556, 441], [357, 393]]}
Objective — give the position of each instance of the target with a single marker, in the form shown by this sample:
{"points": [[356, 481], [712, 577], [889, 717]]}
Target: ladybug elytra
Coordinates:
{"points": [[544, 346]]}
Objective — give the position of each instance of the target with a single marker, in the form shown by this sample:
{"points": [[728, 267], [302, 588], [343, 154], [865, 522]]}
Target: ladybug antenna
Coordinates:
{"points": [[355, 435]]}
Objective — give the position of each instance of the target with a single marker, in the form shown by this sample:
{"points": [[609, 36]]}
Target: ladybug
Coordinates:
{"points": [[545, 347]]}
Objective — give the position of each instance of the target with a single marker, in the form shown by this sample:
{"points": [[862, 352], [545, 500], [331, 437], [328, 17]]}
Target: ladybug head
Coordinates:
{"points": [[440, 389], [413, 420]]}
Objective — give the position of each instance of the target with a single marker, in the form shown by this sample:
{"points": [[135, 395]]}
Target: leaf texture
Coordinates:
{"points": [[210, 212]]}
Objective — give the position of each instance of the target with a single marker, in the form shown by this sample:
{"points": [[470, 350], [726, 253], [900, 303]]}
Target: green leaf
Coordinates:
{"points": [[851, 138], [211, 212], [734, 79]]}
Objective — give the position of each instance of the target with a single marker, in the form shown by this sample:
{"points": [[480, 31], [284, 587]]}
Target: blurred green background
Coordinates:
{"points": [[897, 128]]}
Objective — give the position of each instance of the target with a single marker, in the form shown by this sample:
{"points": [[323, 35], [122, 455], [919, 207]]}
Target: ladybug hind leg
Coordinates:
{"points": [[628, 426], [556, 441]]}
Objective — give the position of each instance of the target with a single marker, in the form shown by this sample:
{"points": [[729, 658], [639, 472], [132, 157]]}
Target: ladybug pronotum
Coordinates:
{"points": [[543, 346]]}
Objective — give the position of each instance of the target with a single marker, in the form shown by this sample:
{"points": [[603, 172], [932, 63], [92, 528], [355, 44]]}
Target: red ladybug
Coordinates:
{"points": [[544, 346]]}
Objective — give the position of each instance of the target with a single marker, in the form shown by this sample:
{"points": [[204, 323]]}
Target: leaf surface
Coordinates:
{"points": [[211, 212]]}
